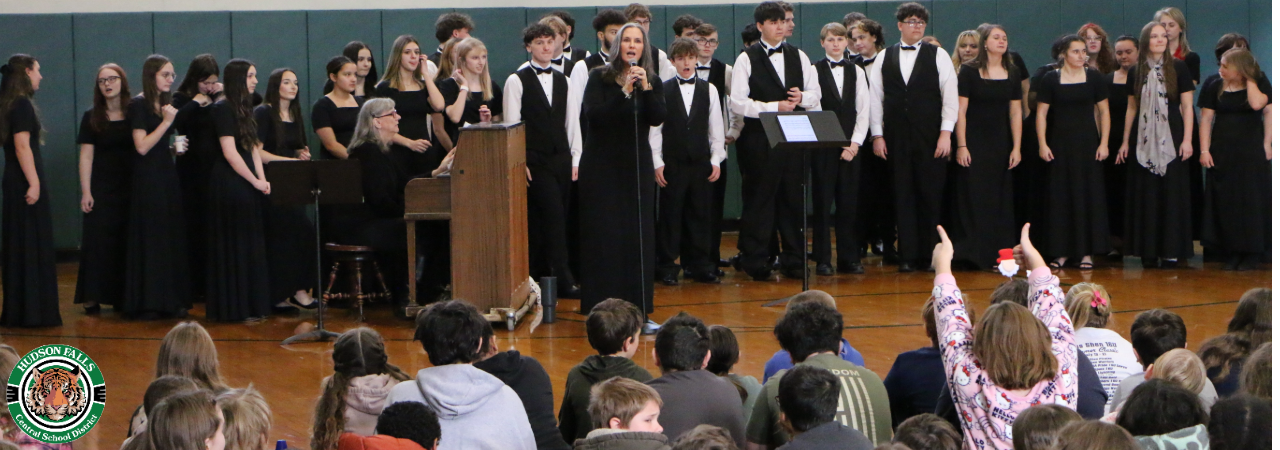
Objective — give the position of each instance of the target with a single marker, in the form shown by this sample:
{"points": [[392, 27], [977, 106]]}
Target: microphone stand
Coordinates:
{"points": [[635, 102]]}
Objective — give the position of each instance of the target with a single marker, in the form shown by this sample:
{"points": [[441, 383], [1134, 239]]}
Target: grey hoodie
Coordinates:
{"points": [[366, 396], [477, 411]]}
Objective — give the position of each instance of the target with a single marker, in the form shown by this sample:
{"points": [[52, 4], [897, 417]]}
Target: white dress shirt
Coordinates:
{"points": [[740, 101], [907, 62], [732, 122], [513, 92], [558, 67], [715, 126], [861, 100]]}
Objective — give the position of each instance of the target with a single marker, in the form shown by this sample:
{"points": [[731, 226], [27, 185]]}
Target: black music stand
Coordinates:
{"points": [[803, 131], [329, 182]]}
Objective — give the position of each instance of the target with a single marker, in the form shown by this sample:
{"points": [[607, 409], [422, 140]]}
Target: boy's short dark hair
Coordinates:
{"points": [[912, 9], [685, 21], [1013, 290], [928, 431], [611, 323], [1227, 42], [705, 437], [1158, 406], [683, 47], [809, 396], [607, 17], [750, 34], [767, 11], [410, 420], [704, 30], [568, 20], [163, 387], [451, 332], [636, 11], [682, 343], [1240, 421], [852, 18], [1155, 332], [537, 30], [448, 22], [809, 328]]}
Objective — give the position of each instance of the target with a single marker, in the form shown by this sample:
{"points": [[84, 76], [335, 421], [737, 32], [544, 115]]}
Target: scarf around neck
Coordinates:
{"points": [[1155, 141]]}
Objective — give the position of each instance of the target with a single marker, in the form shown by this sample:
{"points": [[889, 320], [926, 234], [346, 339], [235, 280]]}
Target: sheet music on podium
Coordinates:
{"points": [[797, 128]]}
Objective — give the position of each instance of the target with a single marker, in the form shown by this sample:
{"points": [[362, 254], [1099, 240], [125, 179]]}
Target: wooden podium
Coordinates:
{"points": [[486, 201]]}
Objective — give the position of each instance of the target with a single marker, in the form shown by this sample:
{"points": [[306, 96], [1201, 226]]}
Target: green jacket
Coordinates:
{"points": [[575, 421]]}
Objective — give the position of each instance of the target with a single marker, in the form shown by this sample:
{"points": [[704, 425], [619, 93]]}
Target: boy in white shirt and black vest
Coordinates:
{"points": [[771, 76], [540, 96], [836, 171], [570, 53], [687, 151], [719, 75], [911, 125]]}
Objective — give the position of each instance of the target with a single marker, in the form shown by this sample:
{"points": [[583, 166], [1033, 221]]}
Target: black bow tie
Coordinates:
{"points": [[558, 61], [703, 68], [908, 47], [568, 49], [540, 71], [835, 64], [691, 80], [770, 51]]}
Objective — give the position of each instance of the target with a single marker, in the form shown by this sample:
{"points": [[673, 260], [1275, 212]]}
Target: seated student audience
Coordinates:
{"points": [[1240, 421], [352, 398], [1165, 415], [186, 351], [724, 355], [810, 333], [928, 432], [401, 426], [625, 414], [190, 420], [468, 401], [247, 417], [808, 397], [1038, 426], [782, 360], [159, 389], [892, 446], [1010, 359], [526, 376], [1183, 368], [692, 396], [1094, 435], [1155, 332], [705, 437], [613, 330], [1255, 378], [1250, 327], [1089, 306], [917, 379]]}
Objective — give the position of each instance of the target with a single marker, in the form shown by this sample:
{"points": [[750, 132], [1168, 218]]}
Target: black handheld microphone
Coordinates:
{"points": [[636, 83]]}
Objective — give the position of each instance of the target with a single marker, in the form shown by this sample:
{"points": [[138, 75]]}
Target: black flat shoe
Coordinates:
{"points": [[825, 270], [570, 292], [704, 277], [93, 310], [718, 272], [723, 263], [796, 273], [853, 268], [1232, 263], [763, 274], [1249, 262], [669, 280]]}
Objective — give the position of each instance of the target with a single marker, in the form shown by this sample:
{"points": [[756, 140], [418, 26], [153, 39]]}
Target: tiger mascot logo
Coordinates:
{"points": [[56, 394]]}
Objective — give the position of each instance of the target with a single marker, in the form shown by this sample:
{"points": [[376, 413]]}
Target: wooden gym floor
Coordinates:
{"points": [[881, 313]]}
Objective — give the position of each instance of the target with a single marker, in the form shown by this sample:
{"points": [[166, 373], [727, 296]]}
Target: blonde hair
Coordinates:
{"points": [[447, 64], [247, 418], [463, 49], [966, 34], [1174, 13], [620, 398], [1256, 376], [557, 25], [1182, 367], [1089, 305], [188, 351], [1014, 347], [392, 77], [833, 29]]}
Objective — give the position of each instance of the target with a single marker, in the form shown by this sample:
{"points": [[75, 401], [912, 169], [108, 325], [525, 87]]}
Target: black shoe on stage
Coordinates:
{"points": [[702, 277], [850, 267], [763, 274], [906, 267], [796, 273], [1232, 263], [570, 292], [669, 280], [718, 272], [724, 263], [825, 270]]}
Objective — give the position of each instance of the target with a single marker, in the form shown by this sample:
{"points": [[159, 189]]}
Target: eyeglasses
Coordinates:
{"points": [[392, 113], [168, 76], [915, 23], [108, 80], [708, 42], [641, 22]]}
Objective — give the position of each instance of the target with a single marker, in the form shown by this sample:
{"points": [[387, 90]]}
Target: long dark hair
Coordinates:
{"points": [[15, 84], [358, 352], [240, 99], [980, 62], [618, 66], [1143, 67], [98, 118], [202, 67], [150, 92], [272, 102], [352, 52]]}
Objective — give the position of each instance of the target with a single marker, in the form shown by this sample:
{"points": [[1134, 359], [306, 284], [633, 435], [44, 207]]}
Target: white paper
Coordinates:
{"points": [[796, 128]]}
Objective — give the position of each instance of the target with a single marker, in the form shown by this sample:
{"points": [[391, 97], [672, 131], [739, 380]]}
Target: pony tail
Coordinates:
{"points": [[330, 414]]}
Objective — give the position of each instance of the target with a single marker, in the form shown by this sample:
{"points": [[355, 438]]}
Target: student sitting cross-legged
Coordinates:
{"points": [[625, 414]]}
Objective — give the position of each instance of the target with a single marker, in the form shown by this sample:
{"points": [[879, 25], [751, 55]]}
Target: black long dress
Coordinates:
{"points": [[290, 235], [30, 272], [471, 113], [1195, 173], [1238, 187], [194, 166], [983, 195], [1075, 215], [102, 242], [238, 288], [1028, 177], [1158, 209], [157, 271], [617, 233], [1114, 174], [326, 114], [414, 107]]}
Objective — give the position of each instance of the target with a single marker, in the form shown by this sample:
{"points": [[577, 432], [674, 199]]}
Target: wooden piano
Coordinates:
{"points": [[485, 199]]}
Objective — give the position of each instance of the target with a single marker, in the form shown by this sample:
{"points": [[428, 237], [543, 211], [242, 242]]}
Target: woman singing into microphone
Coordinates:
{"points": [[622, 98]]}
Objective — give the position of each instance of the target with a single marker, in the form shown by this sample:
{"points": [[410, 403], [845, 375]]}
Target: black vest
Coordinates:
{"points": [[764, 83], [845, 106], [575, 54], [862, 61], [916, 103], [435, 58], [684, 135], [716, 78], [545, 134], [595, 60]]}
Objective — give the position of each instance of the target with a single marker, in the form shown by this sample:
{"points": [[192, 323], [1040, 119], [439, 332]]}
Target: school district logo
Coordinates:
{"points": [[56, 394]]}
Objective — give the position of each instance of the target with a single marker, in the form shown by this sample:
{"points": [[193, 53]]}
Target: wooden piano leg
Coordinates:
{"points": [[411, 227]]}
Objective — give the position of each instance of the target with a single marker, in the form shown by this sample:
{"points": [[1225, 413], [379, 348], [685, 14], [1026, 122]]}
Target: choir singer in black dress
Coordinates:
{"points": [[334, 115], [30, 276], [194, 99], [622, 100], [416, 99], [106, 165]]}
